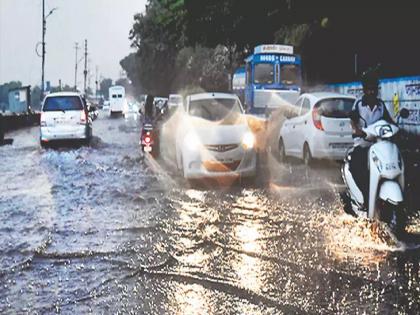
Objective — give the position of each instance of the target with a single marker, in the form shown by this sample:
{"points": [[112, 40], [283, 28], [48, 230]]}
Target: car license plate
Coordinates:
{"points": [[147, 149], [340, 146]]}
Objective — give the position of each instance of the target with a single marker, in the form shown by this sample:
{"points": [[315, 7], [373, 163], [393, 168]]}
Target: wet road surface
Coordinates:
{"points": [[99, 229]]}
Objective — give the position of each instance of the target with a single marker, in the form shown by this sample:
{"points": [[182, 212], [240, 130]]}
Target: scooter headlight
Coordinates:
{"points": [[248, 141]]}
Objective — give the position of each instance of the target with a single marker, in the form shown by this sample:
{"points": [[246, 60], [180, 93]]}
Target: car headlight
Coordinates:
{"points": [[248, 141], [192, 141]]}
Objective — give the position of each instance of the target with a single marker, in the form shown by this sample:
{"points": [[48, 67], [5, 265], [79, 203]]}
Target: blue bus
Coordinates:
{"points": [[271, 77]]}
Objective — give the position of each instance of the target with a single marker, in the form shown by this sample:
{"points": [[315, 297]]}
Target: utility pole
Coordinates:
{"points": [[44, 26], [85, 71], [96, 82], [44, 30], [76, 47]]}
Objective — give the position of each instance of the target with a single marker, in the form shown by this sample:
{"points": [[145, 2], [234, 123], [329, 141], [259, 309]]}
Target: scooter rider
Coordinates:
{"points": [[149, 110], [366, 111]]}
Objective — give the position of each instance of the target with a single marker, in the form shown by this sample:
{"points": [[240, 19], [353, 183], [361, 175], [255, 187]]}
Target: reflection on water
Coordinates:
{"points": [[249, 268], [359, 240], [192, 299]]}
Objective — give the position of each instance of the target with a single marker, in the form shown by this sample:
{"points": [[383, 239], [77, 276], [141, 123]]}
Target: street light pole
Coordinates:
{"points": [[44, 30], [85, 72], [43, 49], [76, 47]]}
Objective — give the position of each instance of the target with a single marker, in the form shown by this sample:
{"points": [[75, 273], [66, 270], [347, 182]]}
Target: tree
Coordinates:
{"points": [[104, 86], [36, 98]]}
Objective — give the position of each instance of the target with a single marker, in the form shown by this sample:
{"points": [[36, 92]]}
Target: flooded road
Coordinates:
{"points": [[101, 230]]}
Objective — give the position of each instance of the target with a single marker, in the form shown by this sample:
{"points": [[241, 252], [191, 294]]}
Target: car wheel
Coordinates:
{"points": [[43, 144], [307, 155], [282, 152]]}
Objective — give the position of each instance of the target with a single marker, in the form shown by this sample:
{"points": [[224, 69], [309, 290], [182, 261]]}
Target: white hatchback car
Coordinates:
{"points": [[64, 116], [213, 138], [320, 127]]}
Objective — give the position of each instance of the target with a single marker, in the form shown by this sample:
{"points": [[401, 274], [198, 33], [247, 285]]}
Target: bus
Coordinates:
{"points": [[271, 77], [116, 99]]}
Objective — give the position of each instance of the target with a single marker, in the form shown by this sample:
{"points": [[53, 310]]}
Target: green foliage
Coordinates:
{"points": [[36, 98], [104, 86], [177, 40]]}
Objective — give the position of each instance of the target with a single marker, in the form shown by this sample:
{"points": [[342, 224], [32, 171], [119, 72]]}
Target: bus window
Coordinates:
{"points": [[277, 73], [289, 74], [264, 73]]}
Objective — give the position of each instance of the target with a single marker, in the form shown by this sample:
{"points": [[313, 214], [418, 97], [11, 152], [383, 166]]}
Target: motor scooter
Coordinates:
{"points": [[386, 178], [149, 141]]}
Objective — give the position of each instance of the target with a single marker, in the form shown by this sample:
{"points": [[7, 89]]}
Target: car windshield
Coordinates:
{"points": [[264, 73], [289, 74], [215, 109], [62, 103], [335, 107]]}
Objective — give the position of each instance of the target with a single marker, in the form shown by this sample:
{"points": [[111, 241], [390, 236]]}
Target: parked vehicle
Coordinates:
{"points": [[319, 129], [106, 106], [116, 99], [386, 178], [64, 115], [213, 138]]}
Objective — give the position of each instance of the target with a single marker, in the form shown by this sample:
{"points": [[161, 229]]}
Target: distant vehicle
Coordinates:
{"points": [[271, 77], [116, 99], [64, 115], [214, 139], [106, 106], [174, 101], [93, 110], [320, 127]]}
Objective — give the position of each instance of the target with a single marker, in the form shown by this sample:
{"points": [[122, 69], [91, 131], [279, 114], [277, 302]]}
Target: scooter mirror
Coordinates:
{"points": [[404, 113]]}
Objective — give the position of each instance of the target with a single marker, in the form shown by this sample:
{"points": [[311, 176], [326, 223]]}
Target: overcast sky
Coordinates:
{"points": [[104, 23]]}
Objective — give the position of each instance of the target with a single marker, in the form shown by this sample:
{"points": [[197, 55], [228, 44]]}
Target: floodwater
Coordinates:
{"points": [[99, 229]]}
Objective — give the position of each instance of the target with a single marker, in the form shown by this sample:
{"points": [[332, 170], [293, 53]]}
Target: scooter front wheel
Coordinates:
{"points": [[394, 216]]}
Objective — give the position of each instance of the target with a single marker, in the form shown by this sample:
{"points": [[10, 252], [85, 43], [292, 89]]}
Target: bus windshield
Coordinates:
{"points": [[289, 74], [264, 73]]}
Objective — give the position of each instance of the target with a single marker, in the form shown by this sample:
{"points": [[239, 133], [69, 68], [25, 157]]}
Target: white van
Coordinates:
{"points": [[116, 99], [64, 115]]}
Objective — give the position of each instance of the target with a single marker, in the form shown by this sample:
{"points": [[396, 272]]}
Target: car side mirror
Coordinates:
{"points": [[404, 113]]}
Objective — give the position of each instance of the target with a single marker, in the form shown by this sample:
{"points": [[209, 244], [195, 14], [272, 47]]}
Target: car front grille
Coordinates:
{"points": [[221, 148]]}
